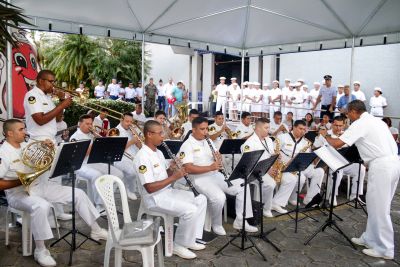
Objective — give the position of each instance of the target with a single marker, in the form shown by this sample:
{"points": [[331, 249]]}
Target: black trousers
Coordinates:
{"points": [[327, 112]]}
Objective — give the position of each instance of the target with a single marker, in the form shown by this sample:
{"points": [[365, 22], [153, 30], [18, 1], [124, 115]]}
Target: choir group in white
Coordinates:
{"points": [[152, 177]]}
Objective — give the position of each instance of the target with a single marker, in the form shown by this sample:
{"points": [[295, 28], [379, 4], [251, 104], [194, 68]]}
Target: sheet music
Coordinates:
{"points": [[331, 157]]}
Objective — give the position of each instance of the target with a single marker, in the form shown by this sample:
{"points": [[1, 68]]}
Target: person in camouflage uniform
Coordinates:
{"points": [[150, 93]]}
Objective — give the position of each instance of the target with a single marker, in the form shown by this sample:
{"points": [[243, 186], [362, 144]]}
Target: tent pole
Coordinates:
{"points": [[241, 85], [352, 61], [143, 46], [9, 77]]}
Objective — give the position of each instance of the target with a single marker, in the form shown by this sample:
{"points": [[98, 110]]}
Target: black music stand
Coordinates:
{"points": [[68, 159], [243, 170], [174, 146], [258, 172], [231, 146], [298, 164], [330, 221]]}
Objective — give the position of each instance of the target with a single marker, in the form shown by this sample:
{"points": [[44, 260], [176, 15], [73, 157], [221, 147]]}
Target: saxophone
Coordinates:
{"points": [[279, 165]]}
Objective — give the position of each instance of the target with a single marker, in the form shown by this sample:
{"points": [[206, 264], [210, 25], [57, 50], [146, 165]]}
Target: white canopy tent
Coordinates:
{"points": [[236, 27]]}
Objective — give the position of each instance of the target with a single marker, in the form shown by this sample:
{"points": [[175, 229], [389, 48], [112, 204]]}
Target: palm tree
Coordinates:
{"points": [[11, 16]]}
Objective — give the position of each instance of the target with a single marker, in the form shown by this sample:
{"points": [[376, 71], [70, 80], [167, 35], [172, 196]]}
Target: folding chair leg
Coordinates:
{"points": [[118, 257], [148, 256], [26, 235], [169, 235], [160, 254]]}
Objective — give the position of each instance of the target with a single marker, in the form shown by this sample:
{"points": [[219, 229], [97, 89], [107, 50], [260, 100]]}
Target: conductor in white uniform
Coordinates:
{"points": [[378, 149]]}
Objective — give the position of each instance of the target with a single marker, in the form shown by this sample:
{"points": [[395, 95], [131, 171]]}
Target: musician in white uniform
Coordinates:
{"points": [[377, 102], [187, 126], [42, 193], [101, 123], [132, 147], [260, 141], [276, 126], [158, 195], [222, 90], [198, 160], [291, 144], [245, 129], [91, 171], [138, 114], [379, 151], [351, 170], [40, 113], [218, 130]]}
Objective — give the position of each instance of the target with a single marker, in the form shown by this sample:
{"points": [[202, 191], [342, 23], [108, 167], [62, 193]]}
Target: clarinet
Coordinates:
{"points": [[222, 170], [178, 163]]}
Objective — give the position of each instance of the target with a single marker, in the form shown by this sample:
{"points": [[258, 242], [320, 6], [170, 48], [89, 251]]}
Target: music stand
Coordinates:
{"points": [[174, 146], [298, 164], [107, 150], [231, 146], [258, 172], [243, 170], [69, 158], [334, 166]]}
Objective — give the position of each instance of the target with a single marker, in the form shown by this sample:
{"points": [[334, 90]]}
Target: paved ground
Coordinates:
{"points": [[327, 249]]}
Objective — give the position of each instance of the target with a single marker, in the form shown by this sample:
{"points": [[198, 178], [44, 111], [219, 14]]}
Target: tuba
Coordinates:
{"points": [[37, 156]]}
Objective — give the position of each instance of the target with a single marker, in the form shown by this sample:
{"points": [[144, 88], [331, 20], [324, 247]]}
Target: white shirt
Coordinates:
{"points": [[187, 126], [338, 96], [285, 91], [274, 93], [160, 90], [290, 148], [221, 90], [121, 92], [266, 94], [168, 89], [213, 129], [79, 135], [196, 152], [372, 138], [151, 167], [62, 125], [130, 93], [127, 133], [139, 117], [378, 102], [273, 127], [254, 143], [99, 90], [234, 93], [139, 91], [101, 123], [244, 131], [113, 89], [359, 95], [298, 97], [314, 95], [36, 101], [247, 92], [10, 163]]}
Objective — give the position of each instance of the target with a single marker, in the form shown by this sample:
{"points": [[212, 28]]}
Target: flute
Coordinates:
{"points": [[178, 163], [222, 170]]}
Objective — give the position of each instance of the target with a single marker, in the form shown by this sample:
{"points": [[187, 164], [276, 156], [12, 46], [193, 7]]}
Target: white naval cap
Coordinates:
{"points": [[250, 83], [256, 83], [266, 84], [287, 80], [300, 80], [378, 89], [275, 81], [317, 83], [357, 82], [340, 86], [222, 78], [305, 86], [297, 84], [233, 78], [245, 83]]}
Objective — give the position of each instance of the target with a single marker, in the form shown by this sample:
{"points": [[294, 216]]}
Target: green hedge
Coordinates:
{"points": [[72, 114]]}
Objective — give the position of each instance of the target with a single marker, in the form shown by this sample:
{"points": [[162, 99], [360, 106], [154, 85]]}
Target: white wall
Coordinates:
{"points": [[373, 66], [165, 63]]}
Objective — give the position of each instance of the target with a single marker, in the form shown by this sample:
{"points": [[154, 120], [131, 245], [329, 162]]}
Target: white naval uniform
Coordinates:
{"points": [[298, 103], [126, 164], [288, 188], [92, 171], [273, 93], [265, 101], [97, 121], [62, 125], [130, 93], [221, 89], [359, 95], [255, 143], [377, 104], [151, 166], [273, 127], [257, 105], [233, 97], [351, 170], [41, 193], [99, 90], [379, 151], [139, 117], [212, 184], [314, 95], [113, 89], [187, 126], [289, 107], [246, 102], [244, 131], [213, 129]]}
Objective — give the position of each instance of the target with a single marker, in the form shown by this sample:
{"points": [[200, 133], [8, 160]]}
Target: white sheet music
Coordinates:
{"points": [[331, 157]]}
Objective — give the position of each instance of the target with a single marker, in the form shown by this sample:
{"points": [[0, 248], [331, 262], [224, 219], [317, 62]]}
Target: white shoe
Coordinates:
{"points": [[278, 209], [64, 216], [98, 235], [44, 258], [197, 246], [293, 202], [238, 223], [131, 195], [371, 252], [183, 252], [268, 213], [359, 241], [218, 230]]}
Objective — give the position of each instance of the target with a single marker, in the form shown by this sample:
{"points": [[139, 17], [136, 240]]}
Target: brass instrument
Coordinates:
{"points": [[37, 156], [178, 120], [279, 164]]}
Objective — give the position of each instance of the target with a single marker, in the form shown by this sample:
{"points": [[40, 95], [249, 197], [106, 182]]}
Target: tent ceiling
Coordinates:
{"points": [[236, 24]]}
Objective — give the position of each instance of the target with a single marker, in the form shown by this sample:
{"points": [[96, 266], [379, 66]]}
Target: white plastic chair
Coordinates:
{"points": [[105, 187], [26, 228], [168, 226]]}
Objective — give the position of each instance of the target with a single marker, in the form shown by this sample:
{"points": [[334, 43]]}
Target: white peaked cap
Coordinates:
{"points": [[245, 83], [317, 83], [287, 80], [340, 86], [357, 82], [256, 83], [305, 86], [233, 78], [378, 89], [222, 78], [300, 80], [297, 84], [266, 84], [275, 81]]}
